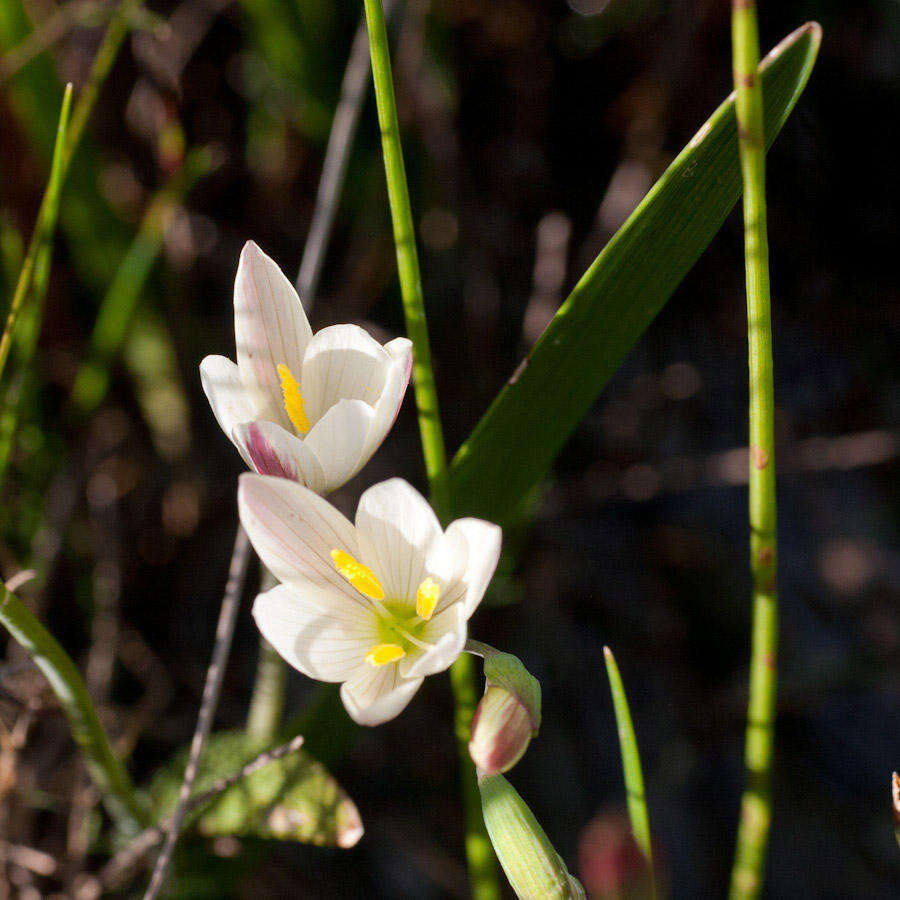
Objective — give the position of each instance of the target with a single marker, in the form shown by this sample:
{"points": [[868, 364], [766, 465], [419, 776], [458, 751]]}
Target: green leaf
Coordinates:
{"points": [[293, 798], [528, 423]]}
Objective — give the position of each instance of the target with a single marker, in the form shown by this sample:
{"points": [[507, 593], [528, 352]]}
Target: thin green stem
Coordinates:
{"points": [[407, 260], [479, 853], [267, 701], [106, 769], [43, 229], [631, 764], [753, 831]]}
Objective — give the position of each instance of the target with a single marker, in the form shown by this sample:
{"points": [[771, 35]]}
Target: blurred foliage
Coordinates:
{"points": [[292, 798]]}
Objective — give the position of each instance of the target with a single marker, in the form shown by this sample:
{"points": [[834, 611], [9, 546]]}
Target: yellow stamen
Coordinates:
{"points": [[360, 576], [383, 654], [293, 399], [427, 598]]}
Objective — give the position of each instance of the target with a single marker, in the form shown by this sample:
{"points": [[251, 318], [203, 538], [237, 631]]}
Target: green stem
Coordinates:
{"points": [[267, 702], [753, 831], [479, 853], [106, 769], [631, 764], [43, 229], [407, 260]]}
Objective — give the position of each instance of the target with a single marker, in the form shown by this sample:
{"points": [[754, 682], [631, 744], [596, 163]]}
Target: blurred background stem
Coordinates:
{"points": [[267, 700], [479, 853], [753, 831]]}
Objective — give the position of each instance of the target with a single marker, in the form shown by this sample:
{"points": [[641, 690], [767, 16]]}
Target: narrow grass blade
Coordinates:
{"points": [[43, 229], [617, 299], [631, 763], [106, 769]]}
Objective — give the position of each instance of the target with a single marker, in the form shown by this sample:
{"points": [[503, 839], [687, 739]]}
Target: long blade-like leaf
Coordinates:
{"points": [[616, 299]]}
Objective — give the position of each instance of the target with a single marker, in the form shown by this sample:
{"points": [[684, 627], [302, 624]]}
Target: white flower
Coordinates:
{"points": [[312, 408], [377, 605]]}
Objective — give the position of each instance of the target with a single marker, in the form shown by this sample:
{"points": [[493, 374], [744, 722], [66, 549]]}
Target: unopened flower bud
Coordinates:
{"points": [[501, 731], [534, 869], [508, 716]]}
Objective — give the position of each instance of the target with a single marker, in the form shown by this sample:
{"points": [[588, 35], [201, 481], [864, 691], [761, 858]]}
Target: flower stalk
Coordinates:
{"points": [[753, 831], [267, 700], [479, 856], [105, 768]]}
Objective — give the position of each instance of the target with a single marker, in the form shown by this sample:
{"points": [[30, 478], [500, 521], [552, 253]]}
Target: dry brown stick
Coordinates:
{"points": [[211, 690], [130, 856]]}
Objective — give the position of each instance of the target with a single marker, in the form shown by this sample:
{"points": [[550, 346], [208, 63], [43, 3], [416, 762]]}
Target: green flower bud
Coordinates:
{"points": [[533, 867]]}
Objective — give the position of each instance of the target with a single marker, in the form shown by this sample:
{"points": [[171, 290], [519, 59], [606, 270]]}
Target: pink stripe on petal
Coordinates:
{"points": [[265, 458]]}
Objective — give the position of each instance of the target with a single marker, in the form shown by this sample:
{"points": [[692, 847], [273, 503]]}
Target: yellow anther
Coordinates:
{"points": [[360, 576], [383, 654], [427, 598], [293, 399]]}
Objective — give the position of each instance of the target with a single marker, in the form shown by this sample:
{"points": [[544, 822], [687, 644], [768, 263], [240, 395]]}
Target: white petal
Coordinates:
{"points": [[270, 327], [338, 440], [395, 384], [231, 401], [295, 530], [342, 362], [322, 633], [447, 631], [483, 541], [271, 450], [375, 695], [396, 528]]}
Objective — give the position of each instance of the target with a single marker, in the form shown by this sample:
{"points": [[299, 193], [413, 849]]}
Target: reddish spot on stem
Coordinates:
{"points": [[759, 456], [519, 370], [765, 556], [770, 661]]}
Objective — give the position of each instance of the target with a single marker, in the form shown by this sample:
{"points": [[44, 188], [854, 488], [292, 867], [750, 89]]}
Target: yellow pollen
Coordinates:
{"points": [[427, 598], [382, 654], [293, 399], [360, 576]]}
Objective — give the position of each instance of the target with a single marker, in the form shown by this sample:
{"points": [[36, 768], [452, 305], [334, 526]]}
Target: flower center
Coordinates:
{"points": [[400, 629], [293, 399]]}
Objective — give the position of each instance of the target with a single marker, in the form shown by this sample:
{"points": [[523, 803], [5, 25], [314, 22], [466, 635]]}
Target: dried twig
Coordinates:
{"points": [[211, 690]]}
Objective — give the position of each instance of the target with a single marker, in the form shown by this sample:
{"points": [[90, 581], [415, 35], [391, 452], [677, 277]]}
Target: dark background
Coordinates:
{"points": [[531, 129]]}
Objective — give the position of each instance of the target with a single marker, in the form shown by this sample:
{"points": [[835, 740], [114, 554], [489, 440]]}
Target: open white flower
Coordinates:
{"points": [[377, 605], [311, 408]]}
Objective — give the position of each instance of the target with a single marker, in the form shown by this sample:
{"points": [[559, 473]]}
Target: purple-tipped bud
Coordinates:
{"points": [[508, 716], [501, 731]]}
